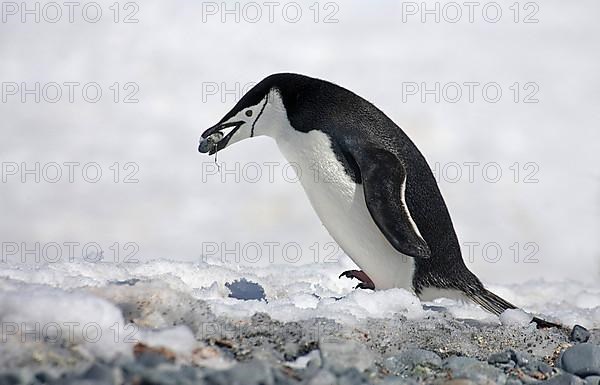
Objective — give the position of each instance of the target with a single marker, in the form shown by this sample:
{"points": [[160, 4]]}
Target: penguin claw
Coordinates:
{"points": [[347, 274], [352, 274], [365, 285], [365, 281]]}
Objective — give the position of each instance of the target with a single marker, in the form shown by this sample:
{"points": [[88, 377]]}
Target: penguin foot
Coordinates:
{"points": [[365, 281], [364, 285]]}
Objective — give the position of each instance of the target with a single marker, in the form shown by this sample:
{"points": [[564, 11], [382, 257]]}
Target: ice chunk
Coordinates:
{"points": [[178, 339], [515, 317], [32, 313]]}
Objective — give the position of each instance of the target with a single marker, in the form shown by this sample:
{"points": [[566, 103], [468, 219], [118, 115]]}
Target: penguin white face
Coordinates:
{"points": [[247, 119]]}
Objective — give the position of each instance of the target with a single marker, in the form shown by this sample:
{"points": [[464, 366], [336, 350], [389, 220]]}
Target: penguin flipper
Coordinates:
{"points": [[384, 180]]}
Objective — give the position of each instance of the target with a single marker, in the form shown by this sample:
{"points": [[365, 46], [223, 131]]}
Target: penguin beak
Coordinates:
{"points": [[216, 138]]}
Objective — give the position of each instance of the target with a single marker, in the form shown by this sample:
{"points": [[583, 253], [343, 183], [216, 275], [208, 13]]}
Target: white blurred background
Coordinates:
{"points": [[183, 58]]}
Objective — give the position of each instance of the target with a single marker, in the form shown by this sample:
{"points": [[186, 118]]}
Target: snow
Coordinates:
{"points": [[37, 313], [302, 361], [516, 317], [87, 293], [178, 339]]}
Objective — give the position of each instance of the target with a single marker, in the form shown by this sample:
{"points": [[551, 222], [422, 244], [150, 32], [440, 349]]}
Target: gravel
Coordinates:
{"points": [[564, 379], [259, 350], [410, 359]]}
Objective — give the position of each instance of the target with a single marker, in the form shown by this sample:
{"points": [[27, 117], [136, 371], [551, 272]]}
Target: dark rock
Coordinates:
{"points": [[12, 379], [342, 354], [563, 379], [474, 370], [455, 362], [189, 372], [164, 377], [500, 358], [394, 380], [247, 373], [101, 372], [521, 359], [281, 377], [582, 360], [322, 377], [592, 380], [352, 377], [408, 359], [77, 381], [534, 368], [579, 334], [290, 351], [44, 377], [132, 367], [151, 359], [544, 368]]}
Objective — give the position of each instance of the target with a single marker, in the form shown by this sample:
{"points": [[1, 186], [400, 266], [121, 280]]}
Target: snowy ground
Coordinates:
{"points": [[58, 319], [153, 316], [180, 203], [299, 292]]}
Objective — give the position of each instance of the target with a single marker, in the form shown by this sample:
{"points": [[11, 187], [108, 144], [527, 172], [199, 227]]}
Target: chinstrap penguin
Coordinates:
{"points": [[373, 190]]}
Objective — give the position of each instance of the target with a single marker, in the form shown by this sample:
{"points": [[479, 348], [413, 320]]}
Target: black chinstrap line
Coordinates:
{"points": [[258, 116]]}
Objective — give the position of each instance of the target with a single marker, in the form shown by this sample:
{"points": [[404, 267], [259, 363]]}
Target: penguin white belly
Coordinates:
{"points": [[340, 204]]}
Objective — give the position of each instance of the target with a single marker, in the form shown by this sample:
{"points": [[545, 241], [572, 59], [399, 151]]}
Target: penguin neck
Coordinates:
{"points": [[301, 149], [274, 121]]}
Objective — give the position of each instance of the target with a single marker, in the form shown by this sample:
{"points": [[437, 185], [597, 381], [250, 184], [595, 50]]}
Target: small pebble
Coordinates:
{"points": [[11, 379], [544, 368], [500, 358], [322, 377], [474, 370], [247, 373], [592, 380], [151, 359], [339, 355], [460, 381], [563, 379], [44, 377], [352, 376], [520, 358], [410, 358], [579, 334], [101, 372], [211, 141], [395, 380]]}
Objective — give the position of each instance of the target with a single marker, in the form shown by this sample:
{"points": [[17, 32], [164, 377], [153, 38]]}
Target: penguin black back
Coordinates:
{"points": [[352, 122]]}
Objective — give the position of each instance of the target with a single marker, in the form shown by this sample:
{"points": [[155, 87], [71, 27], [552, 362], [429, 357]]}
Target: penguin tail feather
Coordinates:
{"points": [[495, 304]]}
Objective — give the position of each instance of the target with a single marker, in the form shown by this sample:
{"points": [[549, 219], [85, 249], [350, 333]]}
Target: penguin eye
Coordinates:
{"points": [[248, 113]]}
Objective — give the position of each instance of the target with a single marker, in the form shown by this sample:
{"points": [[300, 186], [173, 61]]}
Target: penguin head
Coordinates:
{"points": [[259, 112]]}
